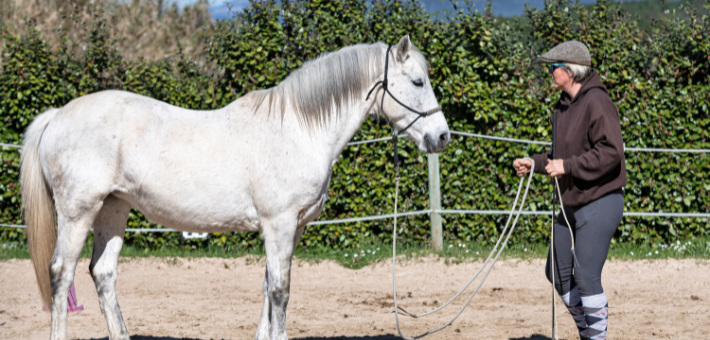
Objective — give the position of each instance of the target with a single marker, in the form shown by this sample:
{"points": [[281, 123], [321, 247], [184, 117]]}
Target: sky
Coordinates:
{"points": [[500, 7]]}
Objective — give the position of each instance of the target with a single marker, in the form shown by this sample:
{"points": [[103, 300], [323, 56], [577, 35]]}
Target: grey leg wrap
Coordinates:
{"points": [[596, 314], [574, 306]]}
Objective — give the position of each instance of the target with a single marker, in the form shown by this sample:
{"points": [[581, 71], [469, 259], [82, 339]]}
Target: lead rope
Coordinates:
{"points": [[552, 268], [571, 234], [394, 254]]}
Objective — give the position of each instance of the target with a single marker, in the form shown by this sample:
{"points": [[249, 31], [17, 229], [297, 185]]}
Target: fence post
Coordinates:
{"points": [[437, 241]]}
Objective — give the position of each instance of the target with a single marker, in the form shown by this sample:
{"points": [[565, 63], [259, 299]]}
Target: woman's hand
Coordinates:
{"points": [[522, 166], [555, 167]]}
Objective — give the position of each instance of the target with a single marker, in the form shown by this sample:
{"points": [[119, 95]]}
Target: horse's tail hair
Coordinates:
{"points": [[38, 205]]}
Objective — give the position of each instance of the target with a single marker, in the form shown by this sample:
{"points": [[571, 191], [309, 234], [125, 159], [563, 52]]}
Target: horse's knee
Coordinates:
{"points": [[104, 279], [279, 296], [56, 267], [57, 272], [278, 293], [101, 274]]}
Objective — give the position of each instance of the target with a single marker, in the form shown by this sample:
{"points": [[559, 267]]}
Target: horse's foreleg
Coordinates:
{"points": [[264, 329], [109, 228], [279, 243]]}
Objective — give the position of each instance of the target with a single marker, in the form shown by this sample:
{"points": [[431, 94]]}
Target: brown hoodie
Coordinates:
{"points": [[589, 143]]}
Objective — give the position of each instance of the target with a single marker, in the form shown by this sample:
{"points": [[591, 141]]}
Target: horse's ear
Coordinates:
{"points": [[403, 48]]}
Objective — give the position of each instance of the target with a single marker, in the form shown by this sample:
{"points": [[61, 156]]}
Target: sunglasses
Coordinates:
{"points": [[553, 66]]}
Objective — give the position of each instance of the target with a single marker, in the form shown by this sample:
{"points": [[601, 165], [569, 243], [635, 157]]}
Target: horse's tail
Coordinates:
{"points": [[38, 205]]}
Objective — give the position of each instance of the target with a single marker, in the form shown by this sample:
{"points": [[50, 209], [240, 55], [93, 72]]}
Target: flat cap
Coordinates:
{"points": [[573, 52]]}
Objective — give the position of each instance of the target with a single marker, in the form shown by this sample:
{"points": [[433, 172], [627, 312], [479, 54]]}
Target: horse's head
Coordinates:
{"points": [[408, 82]]}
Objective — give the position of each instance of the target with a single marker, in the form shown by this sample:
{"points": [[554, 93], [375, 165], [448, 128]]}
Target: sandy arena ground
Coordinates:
{"points": [[170, 299]]}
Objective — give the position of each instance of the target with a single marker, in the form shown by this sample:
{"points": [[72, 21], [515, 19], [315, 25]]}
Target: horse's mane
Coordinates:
{"points": [[323, 86]]}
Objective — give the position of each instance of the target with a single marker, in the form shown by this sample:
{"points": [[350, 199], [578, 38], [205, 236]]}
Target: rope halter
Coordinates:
{"points": [[420, 114]]}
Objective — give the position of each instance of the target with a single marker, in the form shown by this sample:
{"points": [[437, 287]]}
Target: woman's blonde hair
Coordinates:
{"points": [[579, 72]]}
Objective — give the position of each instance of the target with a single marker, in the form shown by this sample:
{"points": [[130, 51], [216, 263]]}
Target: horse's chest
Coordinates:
{"points": [[310, 213]]}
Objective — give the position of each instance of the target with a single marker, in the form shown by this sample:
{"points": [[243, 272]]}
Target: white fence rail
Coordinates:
{"points": [[435, 203], [504, 139], [429, 211]]}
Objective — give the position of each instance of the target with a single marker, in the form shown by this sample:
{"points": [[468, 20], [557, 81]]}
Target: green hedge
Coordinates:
{"points": [[488, 80]]}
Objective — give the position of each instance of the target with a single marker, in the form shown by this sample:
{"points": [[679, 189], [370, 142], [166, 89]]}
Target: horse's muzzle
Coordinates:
{"points": [[437, 142]]}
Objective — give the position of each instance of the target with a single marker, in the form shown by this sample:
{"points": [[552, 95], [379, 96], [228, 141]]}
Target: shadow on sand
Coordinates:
{"points": [[374, 337], [536, 337]]}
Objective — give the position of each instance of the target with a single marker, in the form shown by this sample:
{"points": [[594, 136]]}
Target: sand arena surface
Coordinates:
{"points": [[207, 298]]}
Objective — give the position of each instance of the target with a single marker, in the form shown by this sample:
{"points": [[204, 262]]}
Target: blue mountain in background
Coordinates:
{"points": [[506, 8]]}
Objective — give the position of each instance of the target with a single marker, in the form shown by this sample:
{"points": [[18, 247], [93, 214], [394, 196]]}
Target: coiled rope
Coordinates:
{"points": [[401, 311]]}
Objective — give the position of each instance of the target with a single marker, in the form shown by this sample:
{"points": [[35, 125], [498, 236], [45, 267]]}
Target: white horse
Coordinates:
{"points": [[262, 163]]}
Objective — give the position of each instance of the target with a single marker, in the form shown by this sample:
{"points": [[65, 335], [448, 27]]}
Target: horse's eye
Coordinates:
{"points": [[418, 83]]}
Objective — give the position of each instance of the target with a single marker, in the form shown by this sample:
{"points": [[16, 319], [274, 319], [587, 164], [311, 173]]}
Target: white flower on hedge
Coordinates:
{"points": [[346, 255], [354, 255], [632, 252]]}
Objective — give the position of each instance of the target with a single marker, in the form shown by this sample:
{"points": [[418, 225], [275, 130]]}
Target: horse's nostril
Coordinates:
{"points": [[444, 138]]}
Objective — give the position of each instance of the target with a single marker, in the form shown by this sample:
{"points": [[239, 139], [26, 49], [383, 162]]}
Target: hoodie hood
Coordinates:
{"points": [[592, 82]]}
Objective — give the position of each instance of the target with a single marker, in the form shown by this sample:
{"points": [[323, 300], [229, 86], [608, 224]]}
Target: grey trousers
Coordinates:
{"points": [[593, 226]]}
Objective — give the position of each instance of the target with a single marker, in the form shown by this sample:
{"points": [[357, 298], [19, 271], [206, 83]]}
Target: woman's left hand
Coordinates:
{"points": [[555, 168]]}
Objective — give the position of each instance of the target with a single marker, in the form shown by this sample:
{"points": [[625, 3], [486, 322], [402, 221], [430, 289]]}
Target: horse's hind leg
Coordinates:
{"points": [[109, 228], [73, 225]]}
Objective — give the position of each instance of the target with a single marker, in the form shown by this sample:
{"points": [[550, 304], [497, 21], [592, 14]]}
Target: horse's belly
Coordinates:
{"points": [[196, 213]]}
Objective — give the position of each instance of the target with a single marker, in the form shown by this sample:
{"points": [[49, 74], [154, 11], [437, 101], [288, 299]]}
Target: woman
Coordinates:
{"points": [[591, 173]]}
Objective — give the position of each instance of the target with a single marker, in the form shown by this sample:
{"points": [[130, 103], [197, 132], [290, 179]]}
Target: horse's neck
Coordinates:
{"points": [[325, 143], [342, 129]]}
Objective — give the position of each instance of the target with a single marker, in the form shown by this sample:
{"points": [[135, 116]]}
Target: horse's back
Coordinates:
{"points": [[91, 131], [197, 170], [94, 137], [180, 167]]}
